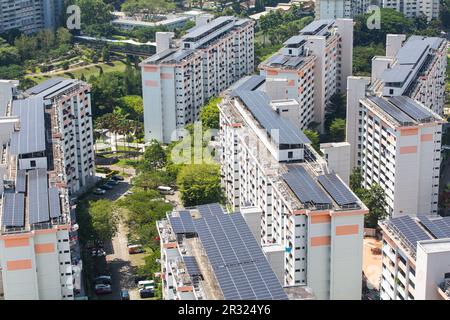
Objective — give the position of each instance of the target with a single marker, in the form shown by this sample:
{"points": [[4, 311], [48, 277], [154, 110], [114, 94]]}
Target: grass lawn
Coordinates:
{"points": [[89, 71]]}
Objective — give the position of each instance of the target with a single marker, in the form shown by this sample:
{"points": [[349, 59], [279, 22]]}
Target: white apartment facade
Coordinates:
{"points": [[318, 240], [29, 16], [414, 8], [335, 9], [415, 258], [178, 81], [314, 64], [36, 236], [401, 151]]}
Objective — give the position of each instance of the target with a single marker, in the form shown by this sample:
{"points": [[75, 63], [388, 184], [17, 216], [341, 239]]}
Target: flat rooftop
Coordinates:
{"points": [[404, 110], [233, 254]]}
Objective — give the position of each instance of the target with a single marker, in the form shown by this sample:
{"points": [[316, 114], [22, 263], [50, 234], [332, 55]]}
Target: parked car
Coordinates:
{"points": [[139, 278], [106, 187], [117, 177], [144, 283], [102, 280], [146, 293], [98, 252], [99, 191], [113, 182], [124, 295], [135, 248], [103, 288], [165, 190]]}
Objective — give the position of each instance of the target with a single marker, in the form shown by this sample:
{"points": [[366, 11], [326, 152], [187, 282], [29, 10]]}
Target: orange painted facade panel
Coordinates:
{"points": [[426, 137], [272, 72], [150, 69], [409, 131], [347, 230], [13, 265], [166, 76], [408, 149], [320, 241], [44, 248], [17, 242], [320, 219]]}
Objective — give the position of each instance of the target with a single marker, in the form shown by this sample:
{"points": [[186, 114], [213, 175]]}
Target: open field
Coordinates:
{"points": [[87, 71]]}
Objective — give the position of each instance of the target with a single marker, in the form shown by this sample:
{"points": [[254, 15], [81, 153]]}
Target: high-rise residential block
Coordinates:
{"points": [[311, 224], [415, 258], [177, 81], [39, 132], [414, 8], [314, 65], [335, 9]]}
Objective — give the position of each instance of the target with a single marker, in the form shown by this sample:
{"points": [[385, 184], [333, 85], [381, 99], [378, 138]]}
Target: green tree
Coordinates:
{"points": [[209, 115], [337, 130], [104, 219], [375, 200], [94, 12], [105, 54], [314, 137], [9, 55], [155, 157], [356, 180], [133, 105], [63, 36], [199, 184]]}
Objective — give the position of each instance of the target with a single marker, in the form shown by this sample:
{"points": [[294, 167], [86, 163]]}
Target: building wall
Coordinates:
{"points": [[337, 156]]}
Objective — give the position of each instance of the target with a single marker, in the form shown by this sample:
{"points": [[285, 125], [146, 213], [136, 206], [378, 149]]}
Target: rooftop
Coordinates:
{"points": [[237, 262], [404, 110]]}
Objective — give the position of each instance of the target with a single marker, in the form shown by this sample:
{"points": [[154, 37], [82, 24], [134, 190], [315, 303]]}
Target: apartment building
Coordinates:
{"points": [[415, 258], [335, 9], [178, 80], [30, 15], [71, 100], [337, 156], [401, 151], [207, 254], [311, 224], [36, 235], [314, 65], [414, 8]]}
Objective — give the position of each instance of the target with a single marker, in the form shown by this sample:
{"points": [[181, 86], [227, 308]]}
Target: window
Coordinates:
{"points": [[290, 154], [33, 163]]}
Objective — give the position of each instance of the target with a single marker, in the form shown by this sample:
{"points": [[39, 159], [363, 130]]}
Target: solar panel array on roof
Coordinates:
{"points": [[410, 230], [31, 137], [316, 27], [411, 51], [38, 209], [391, 110], [182, 223], [210, 209], [411, 108], [439, 227], [305, 187], [201, 30], [337, 189], [44, 85], [20, 180], [13, 210], [236, 258], [251, 83], [191, 266], [258, 104], [55, 202]]}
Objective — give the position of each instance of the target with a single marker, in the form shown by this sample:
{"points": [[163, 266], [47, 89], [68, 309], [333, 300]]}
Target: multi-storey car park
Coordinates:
{"points": [[414, 68], [401, 151], [178, 80], [415, 258], [309, 221], [313, 65], [35, 215]]}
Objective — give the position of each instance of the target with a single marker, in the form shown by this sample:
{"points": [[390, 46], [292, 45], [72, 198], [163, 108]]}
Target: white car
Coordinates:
{"points": [[103, 288]]}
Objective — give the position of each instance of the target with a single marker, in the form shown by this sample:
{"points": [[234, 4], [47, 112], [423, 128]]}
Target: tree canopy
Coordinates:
{"points": [[104, 219], [209, 114]]}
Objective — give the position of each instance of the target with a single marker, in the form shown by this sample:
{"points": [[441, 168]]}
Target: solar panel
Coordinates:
{"points": [[391, 110], [210, 209], [411, 108], [305, 187], [44, 86], [337, 189], [20, 181], [239, 264], [439, 227], [13, 210], [38, 208], [55, 202], [191, 266], [410, 230], [31, 136], [281, 130], [250, 83], [182, 223]]}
